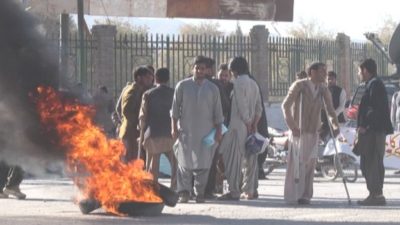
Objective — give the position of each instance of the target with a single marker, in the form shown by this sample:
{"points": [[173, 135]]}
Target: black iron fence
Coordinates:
{"points": [[286, 56]]}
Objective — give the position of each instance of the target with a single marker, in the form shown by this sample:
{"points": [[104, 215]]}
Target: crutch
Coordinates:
{"points": [[296, 153], [339, 167]]}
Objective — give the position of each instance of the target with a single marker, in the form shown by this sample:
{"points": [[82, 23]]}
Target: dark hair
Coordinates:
{"points": [[301, 74], [210, 63], [200, 60], [151, 68], [314, 66], [140, 72], [239, 65], [223, 66], [332, 74], [162, 75], [370, 65]]}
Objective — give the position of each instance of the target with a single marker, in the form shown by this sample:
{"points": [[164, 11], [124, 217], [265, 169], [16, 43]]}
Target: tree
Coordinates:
{"points": [[386, 30], [124, 27], [204, 28], [310, 29]]}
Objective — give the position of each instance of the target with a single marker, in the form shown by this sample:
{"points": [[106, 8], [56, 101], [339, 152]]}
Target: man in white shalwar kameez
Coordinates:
{"points": [[302, 111], [245, 113], [196, 110]]}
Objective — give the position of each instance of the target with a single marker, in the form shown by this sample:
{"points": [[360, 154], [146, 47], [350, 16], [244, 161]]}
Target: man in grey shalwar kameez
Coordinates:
{"points": [[196, 110], [245, 113]]}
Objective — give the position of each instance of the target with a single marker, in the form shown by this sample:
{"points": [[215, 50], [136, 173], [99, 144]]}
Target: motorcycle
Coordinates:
{"points": [[327, 162], [277, 150]]}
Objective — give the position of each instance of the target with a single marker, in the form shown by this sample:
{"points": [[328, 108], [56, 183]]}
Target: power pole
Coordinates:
{"points": [[82, 62]]}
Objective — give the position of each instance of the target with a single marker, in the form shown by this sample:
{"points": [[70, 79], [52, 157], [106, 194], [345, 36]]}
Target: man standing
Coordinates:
{"points": [[395, 115], [10, 179], [302, 111], [155, 125], [224, 78], [197, 109], [339, 101], [373, 124], [130, 105], [245, 114], [225, 103], [395, 111], [338, 96]]}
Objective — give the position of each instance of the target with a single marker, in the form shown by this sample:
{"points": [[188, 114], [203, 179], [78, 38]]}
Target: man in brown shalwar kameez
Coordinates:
{"points": [[302, 111]]}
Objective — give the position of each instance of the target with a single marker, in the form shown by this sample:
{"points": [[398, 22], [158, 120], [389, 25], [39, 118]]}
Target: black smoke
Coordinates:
{"points": [[26, 62]]}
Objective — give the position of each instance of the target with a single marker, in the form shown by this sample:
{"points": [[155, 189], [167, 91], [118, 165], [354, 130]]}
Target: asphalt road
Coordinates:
{"points": [[51, 202]]}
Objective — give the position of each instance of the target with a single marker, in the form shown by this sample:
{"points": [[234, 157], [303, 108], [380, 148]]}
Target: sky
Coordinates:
{"points": [[352, 17]]}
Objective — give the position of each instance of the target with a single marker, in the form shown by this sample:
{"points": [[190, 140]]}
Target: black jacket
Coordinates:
{"points": [[159, 104], [373, 112]]}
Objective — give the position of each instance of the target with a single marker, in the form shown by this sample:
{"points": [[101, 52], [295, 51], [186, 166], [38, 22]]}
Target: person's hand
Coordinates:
{"points": [[174, 133], [336, 132], [253, 129], [249, 127], [296, 132], [362, 130], [218, 137]]}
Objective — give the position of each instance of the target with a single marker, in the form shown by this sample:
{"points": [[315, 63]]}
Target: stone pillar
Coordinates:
{"points": [[259, 58], [344, 62], [103, 57]]}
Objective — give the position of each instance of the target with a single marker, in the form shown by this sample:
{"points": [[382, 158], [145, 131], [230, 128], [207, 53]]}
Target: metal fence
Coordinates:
{"points": [[361, 51], [286, 56], [173, 52]]}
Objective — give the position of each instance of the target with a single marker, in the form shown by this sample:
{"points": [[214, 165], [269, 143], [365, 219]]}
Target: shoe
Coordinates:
{"points": [[255, 195], [228, 197], [210, 196], [248, 196], [14, 191], [200, 199], [303, 201], [378, 200], [183, 197], [2, 195], [261, 174]]}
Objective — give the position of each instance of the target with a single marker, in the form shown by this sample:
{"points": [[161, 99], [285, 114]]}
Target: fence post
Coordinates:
{"points": [[259, 58], [63, 68], [103, 56], [344, 62]]}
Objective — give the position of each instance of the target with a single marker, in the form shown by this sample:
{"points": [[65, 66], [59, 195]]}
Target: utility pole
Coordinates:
{"points": [[82, 62]]}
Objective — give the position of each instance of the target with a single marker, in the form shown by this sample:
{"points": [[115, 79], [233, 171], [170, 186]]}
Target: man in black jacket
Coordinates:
{"points": [[155, 125], [373, 124]]}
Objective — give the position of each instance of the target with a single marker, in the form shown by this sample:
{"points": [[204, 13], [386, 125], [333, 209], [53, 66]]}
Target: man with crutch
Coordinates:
{"points": [[302, 111]]}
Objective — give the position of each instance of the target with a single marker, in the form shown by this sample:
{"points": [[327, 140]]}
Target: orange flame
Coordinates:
{"points": [[110, 181]]}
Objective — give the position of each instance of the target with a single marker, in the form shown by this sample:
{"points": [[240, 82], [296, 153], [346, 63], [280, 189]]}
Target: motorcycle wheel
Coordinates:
{"points": [[329, 172], [349, 167]]}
